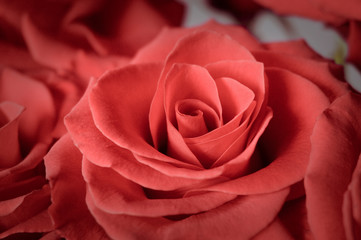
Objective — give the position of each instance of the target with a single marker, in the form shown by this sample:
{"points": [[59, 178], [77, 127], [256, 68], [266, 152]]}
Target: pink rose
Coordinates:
{"points": [[346, 16], [208, 134], [30, 119], [81, 36]]}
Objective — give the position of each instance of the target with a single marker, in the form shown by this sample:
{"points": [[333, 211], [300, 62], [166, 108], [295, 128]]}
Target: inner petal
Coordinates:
{"points": [[235, 97], [195, 118]]}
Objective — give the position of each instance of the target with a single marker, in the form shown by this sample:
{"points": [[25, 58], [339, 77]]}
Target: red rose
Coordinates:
{"points": [[346, 16], [29, 122], [208, 134], [69, 36]]}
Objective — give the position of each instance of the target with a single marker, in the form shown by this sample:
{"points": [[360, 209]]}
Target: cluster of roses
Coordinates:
{"points": [[115, 125]]}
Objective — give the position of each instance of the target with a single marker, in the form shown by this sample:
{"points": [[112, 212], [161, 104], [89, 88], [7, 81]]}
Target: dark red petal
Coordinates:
{"points": [[354, 54], [9, 134]]}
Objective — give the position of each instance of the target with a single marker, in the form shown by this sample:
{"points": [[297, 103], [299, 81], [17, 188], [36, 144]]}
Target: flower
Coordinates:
{"points": [[345, 17], [30, 120], [207, 134], [84, 37]]}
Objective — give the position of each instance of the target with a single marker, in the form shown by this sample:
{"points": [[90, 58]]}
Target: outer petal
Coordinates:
{"points": [[128, 90], [333, 159], [275, 230], [114, 194], [351, 207], [32, 228], [298, 48], [162, 45], [327, 76], [241, 218], [301, 8], [353, 43], [68, 210], [350, 9], [38, 120], [27, 216], [46, 50]]}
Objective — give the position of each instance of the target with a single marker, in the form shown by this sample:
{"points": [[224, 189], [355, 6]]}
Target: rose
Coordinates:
{"points": [[84, 37], [100, 26], [169, 146], [33, 102], [345, 17], [30, 113]]}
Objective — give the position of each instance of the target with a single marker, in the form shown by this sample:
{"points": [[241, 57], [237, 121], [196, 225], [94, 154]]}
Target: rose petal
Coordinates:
{"points": [[275, 230], [351, 206], [127, 90], [136, 29], [91, 65], [235, 98], [68, 210], [44, 49], [324, 76], [351, 9], [333, 140], [301, 8], [236, 162], [11, 54], [36, 122], [229, 221], [354, 53], [116, 195], [194, 116], [26, 212], [40, 223], [28, 163], [162, 45], [298, 48], [9, 132], [248, 73]]}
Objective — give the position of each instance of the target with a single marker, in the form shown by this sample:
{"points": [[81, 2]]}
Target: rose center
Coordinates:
{"points": [[195, 118]]}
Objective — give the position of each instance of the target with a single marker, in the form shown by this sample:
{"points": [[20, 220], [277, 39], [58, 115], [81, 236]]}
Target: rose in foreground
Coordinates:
{"points": [[209, 134]]}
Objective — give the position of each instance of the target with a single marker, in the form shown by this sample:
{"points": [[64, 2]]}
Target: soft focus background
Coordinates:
{"points": [[268, 26]]}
